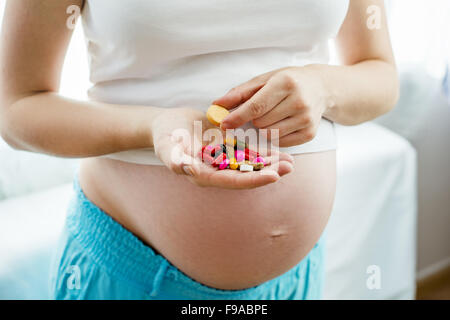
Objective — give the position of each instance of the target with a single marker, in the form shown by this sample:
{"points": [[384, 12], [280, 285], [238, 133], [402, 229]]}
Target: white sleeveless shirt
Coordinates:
{"points": [[178, 53]]}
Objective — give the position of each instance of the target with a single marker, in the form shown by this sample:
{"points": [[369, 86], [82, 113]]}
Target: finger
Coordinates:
{"points": [[259, 104], [240, 94], [285, 127], [240, 180], [286, 108], [299, 137], [285, 168], [281, 167], [262, 102], [230, 179], [207, 176], [278, 158], [173, 156]]}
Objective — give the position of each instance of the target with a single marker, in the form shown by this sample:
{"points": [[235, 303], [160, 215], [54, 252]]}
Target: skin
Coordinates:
{"points": [[34, 117]]}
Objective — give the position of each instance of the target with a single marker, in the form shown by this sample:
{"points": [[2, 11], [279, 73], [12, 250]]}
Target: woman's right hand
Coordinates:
{"points": [[180, 155]]}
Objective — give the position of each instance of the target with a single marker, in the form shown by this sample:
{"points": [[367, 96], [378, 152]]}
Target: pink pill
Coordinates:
{"points": [[260, 160], [240, 155], [224, 164]]}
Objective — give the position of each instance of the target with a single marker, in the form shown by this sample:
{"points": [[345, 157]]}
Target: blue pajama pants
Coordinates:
{"points": [[99, 259]]}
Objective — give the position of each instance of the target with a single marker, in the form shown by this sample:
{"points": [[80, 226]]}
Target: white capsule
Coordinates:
{"points": [[246, 167]]}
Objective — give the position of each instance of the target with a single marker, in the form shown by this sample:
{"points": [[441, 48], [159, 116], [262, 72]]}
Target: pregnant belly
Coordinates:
{"points": [[227, 239]]}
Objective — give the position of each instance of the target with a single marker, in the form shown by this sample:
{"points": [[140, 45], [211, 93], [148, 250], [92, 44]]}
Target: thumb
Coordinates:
{"points": [[174, 150]]}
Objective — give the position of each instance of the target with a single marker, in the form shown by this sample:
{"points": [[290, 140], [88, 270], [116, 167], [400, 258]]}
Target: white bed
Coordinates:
{"points": [[373, 222], [374, 217]]}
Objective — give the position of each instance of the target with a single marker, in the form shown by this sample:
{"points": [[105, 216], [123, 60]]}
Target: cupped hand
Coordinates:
{"points": [[291, 100], [177, 145]]}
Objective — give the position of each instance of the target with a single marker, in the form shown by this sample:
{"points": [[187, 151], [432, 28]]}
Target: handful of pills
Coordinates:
{"points": [[229, 156], [234, 154]]}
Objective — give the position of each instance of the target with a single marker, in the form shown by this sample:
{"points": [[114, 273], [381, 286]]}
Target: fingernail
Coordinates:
{"points": [[188, 170]]}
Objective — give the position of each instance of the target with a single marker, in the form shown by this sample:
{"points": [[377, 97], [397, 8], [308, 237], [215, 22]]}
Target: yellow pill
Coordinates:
{"points": [[230, 141], [233, 164], [216, 114]]}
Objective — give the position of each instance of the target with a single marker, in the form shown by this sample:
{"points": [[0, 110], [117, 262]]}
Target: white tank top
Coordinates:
{"points": [[178, 53]]}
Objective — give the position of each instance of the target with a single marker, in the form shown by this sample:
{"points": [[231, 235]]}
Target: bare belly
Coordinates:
{"points": [[227, 239]]}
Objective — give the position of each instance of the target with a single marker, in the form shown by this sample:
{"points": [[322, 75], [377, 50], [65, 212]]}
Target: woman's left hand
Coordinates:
{"points": [[291, 100]]}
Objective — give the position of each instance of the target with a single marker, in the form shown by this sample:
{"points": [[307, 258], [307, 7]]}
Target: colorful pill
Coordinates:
{"points": [[207, 158], [233, 164], [224, 164], [206, 150], [216, 114], [218, 161], [240, 155], [260, 160], [246, 167], [251, 155], [217, 150], [258, 166], [251, 152], [230, 141]]}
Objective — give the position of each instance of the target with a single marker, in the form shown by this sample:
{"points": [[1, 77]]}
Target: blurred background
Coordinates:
{"points": [[392, 212]]}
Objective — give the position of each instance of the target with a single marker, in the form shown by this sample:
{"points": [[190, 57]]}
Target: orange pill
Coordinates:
{"points": [[233, 164], [216, 114]]}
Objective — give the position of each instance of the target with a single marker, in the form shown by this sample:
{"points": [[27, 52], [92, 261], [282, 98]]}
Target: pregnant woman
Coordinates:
{"points": [[144, 226]]}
